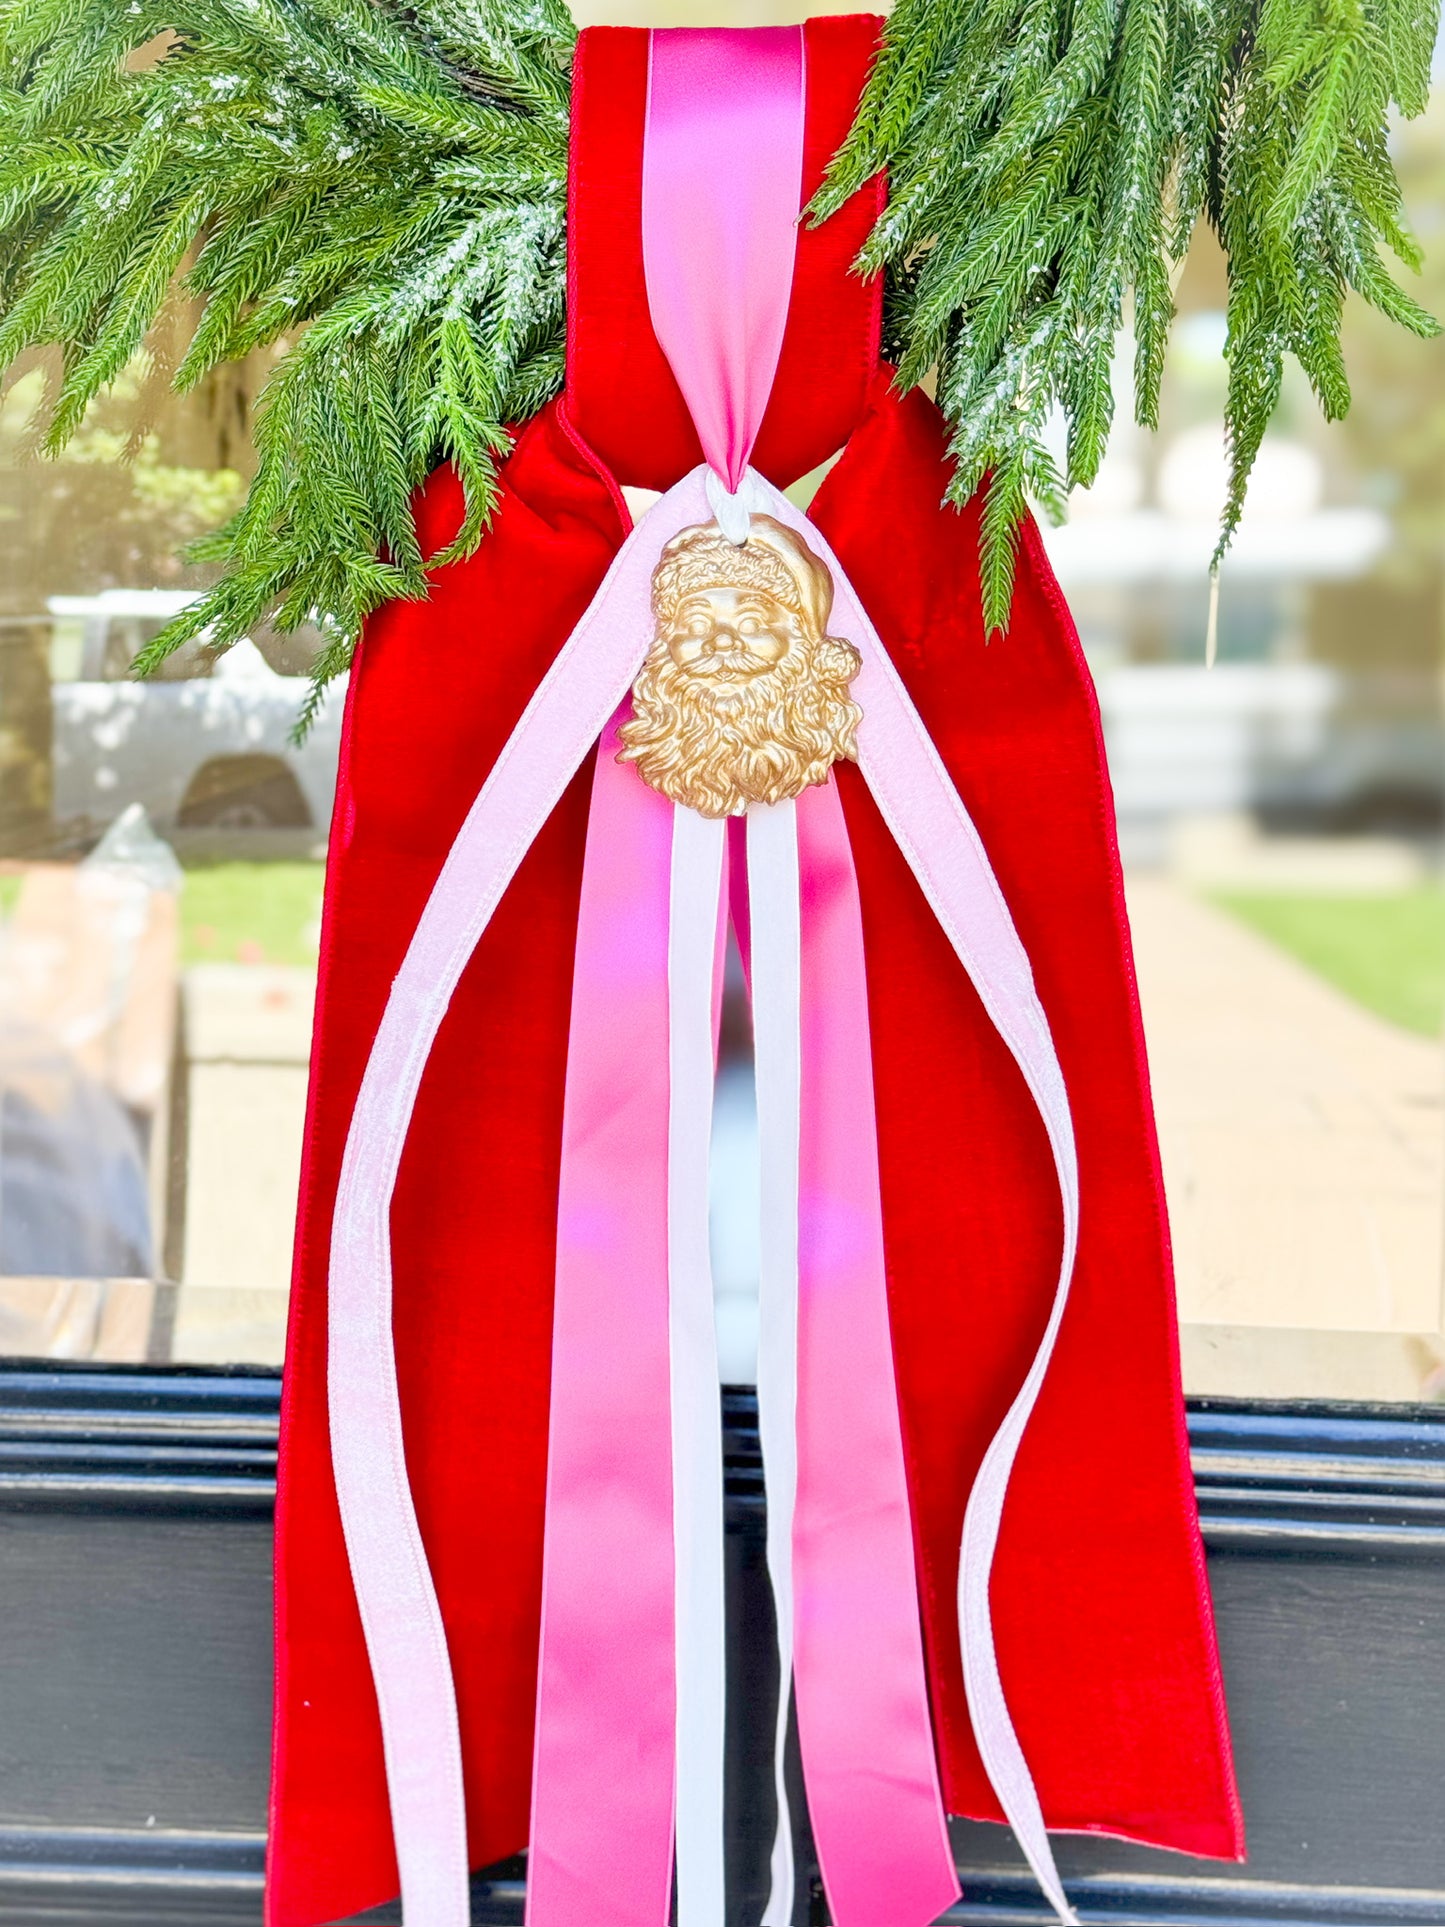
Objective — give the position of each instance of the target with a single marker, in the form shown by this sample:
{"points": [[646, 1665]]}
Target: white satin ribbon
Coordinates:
{"points": [[697, 1460], [776, 946], [933, 829]]}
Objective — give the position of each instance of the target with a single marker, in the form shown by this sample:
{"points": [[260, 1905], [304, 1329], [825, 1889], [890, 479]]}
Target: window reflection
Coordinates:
{"points": [[161, 852], [1280, 818]]}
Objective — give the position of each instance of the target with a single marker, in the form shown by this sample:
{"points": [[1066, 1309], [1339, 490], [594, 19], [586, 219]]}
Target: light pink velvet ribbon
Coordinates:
{"points": [[406, 1641]]}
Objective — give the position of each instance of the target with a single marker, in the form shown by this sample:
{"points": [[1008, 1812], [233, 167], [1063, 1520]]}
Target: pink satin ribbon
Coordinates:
{"points": [[722, 180], [603, 1766], [721, 191], [863, 1718], [931, 826]]}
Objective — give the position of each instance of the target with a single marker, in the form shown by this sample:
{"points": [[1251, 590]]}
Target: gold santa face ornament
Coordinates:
{"points": [[744, 696]]}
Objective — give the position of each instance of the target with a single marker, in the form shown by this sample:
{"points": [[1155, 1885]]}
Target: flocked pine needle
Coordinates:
{"points": [[381, 187]]}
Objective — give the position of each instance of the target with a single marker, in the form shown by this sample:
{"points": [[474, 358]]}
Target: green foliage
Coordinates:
{"points": [[1048, 162], [112, 504], [251, 912], [1396, 437], [378, 187], [1386, 952]]}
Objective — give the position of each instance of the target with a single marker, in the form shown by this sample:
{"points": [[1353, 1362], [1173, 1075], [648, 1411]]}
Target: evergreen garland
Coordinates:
{"points": [[1049, 159], [380, 186]]}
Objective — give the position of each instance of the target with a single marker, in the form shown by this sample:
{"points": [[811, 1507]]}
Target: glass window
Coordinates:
{"points": [[161, 855], [161, 852], [1280, 816]]}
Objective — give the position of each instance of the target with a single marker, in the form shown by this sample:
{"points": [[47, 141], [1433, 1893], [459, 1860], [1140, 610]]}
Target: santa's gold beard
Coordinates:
{"points": [[718, 745]]}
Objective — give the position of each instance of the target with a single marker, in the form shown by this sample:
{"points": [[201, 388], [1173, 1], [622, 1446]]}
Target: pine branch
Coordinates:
{"points": [[1048, 162], [377, 187]]}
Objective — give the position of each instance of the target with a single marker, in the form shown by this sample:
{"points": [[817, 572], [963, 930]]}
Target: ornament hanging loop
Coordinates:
{"points": [[732, 508]]}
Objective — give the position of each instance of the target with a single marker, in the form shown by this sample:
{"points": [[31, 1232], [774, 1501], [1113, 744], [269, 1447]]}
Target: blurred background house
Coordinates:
{"points": [[1280, 815], [1322, 712]]}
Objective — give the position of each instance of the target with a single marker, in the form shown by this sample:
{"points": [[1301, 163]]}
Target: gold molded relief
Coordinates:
{"points": [[744, 696]]}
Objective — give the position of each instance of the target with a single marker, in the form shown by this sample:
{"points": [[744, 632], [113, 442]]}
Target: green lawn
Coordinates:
{"points": [[1386, 952], [251, 912], [237, 912]]}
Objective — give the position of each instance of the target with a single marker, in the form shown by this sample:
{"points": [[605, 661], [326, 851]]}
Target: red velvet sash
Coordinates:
{"points": [[1101, 1609]]}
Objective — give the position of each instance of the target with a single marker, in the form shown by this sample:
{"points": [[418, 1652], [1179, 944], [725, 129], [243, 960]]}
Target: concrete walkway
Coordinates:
{"points": [[1303, 1143], [248, 1037], [1304, 1155]]}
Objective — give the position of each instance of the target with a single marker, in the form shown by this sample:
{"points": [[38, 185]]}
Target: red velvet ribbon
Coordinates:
{"points": [[1105, 1643]]}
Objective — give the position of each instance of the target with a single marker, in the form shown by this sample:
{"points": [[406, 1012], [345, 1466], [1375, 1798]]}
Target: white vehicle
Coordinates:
{"points": [[204, 743]]}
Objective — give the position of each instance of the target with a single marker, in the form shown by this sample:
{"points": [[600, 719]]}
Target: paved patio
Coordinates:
{"points": [[1304, 1155], [248, 1037], [1303, 1143]]}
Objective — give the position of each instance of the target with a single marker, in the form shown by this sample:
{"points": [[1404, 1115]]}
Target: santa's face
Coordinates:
{"points": [[742, 698], [729, 635]]}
